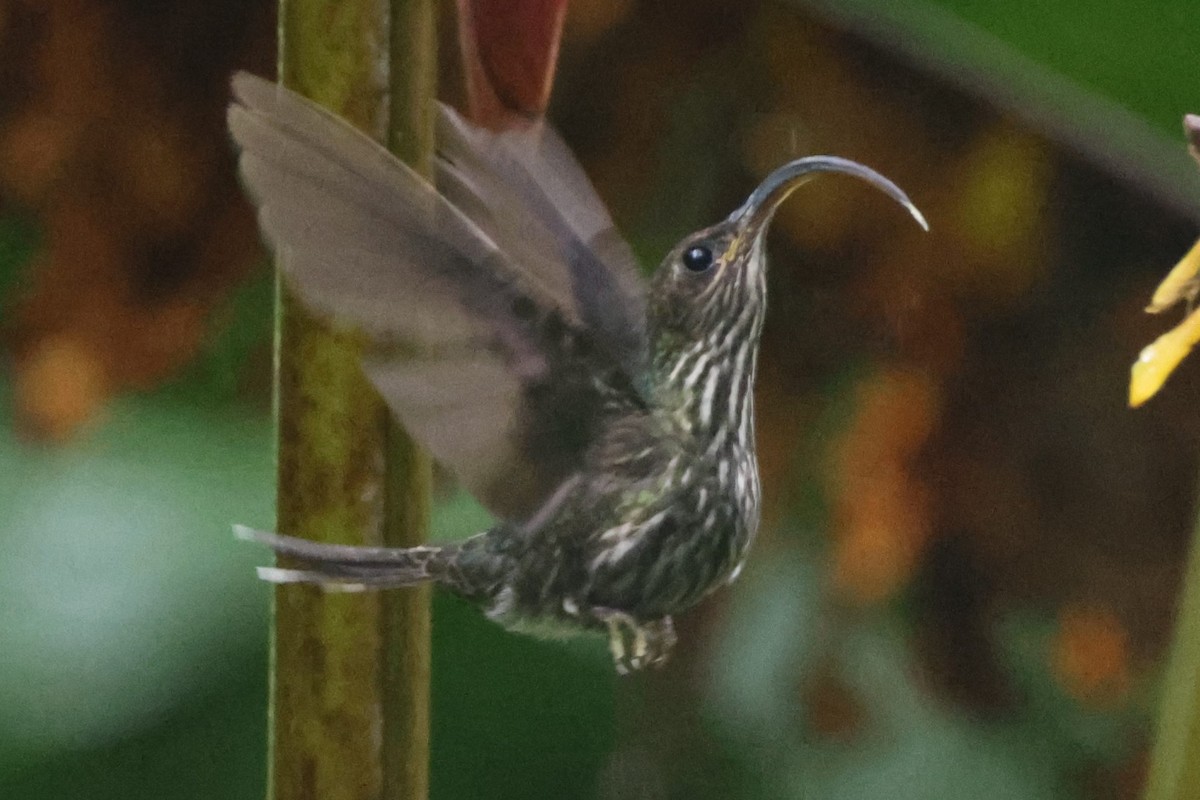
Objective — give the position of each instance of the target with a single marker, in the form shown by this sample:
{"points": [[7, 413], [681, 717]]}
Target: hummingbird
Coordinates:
{"points": [[606, 422]]}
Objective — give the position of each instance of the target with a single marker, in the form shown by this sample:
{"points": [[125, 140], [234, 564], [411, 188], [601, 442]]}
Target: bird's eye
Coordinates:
{"points": [[697, 258]]}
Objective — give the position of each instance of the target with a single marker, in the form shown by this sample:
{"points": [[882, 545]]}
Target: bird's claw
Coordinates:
{"points": [[636, 645]]}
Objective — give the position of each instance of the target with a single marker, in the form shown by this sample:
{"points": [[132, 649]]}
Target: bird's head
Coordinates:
{"points": [[711, 288]]}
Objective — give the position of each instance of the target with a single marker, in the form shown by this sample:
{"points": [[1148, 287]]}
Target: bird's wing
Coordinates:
{"points": [[524, 188], [489, 363]]}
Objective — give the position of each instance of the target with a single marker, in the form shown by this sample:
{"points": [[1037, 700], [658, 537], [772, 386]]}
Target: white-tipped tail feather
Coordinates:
{"points": [[339, 567], [328, 584]]}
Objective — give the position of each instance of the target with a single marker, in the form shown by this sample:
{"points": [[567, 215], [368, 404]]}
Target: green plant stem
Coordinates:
{"points": [[1175, 761], [350, 673], [407, 623]]}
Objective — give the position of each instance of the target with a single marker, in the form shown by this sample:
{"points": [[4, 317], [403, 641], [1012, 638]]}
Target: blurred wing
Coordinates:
{"points": [[466, 345], [525, 189]]}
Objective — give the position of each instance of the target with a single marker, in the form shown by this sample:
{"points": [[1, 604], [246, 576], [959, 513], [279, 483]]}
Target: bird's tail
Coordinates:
{"points": [[346, 568]]}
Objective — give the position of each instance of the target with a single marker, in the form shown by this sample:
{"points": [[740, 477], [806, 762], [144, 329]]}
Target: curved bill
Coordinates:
{"points": [[761, 205]]}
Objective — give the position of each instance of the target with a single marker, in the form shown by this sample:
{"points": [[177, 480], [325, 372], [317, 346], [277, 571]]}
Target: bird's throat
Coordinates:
{"points": [[708, 389]]}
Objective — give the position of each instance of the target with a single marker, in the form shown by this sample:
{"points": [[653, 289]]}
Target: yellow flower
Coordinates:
{"points": [[1157, 361]]}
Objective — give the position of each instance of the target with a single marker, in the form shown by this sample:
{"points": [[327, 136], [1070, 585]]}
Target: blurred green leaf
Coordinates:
{"points": [[121, 590]]}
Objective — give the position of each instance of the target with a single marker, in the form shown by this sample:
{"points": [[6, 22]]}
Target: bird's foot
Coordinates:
{"points": [[636, 645]]}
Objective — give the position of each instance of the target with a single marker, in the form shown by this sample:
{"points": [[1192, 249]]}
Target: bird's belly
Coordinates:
{"points": [[648, 553], [667, 564], [661, 572], [544, 624]]}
